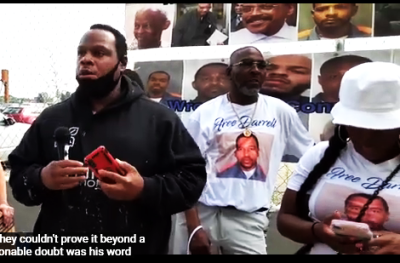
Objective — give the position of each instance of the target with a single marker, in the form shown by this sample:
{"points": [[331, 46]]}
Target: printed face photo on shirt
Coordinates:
{"points": [[333, 21], [162, 79], [382, 213], [244, 157], [148, 25]]}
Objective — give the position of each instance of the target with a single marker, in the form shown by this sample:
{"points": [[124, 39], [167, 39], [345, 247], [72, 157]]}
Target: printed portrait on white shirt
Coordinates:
{"points": [[215, 127], [241, 156], [347, 187], [265, 23]]}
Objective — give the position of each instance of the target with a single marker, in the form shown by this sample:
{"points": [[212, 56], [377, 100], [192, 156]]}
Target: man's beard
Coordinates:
{"points": [[98, 88], [295, 93]]}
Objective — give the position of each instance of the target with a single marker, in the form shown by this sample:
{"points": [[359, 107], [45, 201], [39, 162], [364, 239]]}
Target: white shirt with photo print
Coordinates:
{"points": [[215, 128], [351, 175]]}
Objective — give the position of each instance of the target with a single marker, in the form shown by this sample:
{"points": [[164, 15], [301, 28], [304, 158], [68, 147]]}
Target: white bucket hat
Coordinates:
{"points": [[369, 97]]}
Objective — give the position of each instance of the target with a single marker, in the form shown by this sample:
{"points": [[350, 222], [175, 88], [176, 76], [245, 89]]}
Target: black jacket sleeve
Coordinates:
{"points": [[179, 189], [179, 30], [26, 166]]}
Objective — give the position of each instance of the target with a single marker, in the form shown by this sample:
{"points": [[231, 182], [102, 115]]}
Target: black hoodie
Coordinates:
{"points": [[134, 129]]}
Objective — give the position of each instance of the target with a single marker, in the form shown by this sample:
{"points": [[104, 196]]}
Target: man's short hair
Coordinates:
{"points": [[347, 59], [163, 14], [313, 5], [159, 72], [120, 40], [244, 136], [214, 64], [134, 77]]}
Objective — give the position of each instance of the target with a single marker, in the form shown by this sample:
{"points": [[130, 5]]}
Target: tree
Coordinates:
{"points": [[43, 97], [65, 95]]}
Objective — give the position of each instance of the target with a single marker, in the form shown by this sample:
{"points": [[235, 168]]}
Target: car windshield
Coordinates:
{"points": [[12, 110]]}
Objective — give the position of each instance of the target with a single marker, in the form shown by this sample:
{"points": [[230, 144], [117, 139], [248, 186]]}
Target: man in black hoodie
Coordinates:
{"points": [[165, 172]]}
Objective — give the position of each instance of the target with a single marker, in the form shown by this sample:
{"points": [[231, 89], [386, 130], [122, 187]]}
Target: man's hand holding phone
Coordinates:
{"points": [[57, 174], [124, 187]]}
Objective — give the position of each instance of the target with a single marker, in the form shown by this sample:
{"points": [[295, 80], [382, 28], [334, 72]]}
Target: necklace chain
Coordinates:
{"points": [[247, 131]]}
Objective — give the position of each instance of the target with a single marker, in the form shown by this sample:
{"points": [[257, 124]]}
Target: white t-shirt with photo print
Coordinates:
{"points": [[346, 188], [217, 130]]}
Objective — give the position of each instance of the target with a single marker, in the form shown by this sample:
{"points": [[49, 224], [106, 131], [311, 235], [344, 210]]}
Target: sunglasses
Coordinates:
{"points": [[249, 63]]}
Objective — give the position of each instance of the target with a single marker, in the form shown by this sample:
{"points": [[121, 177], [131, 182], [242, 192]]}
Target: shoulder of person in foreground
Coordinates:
{"points": [[306, 164], [180, 188], [26, 160]]}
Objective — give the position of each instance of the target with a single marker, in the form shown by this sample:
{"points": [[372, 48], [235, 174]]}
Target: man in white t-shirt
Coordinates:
{"points": [[252, 129]]}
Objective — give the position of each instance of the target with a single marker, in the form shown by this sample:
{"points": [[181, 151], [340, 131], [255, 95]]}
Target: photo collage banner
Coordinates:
{"points": [[308, 82], [180, 25]]}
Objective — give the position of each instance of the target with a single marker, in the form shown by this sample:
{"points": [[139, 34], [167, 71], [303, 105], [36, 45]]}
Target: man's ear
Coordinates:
{"points": [[194, 85], [228, 71], [291, 9], [167, 24]]}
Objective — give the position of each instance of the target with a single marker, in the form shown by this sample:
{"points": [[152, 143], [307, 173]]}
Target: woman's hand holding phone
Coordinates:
{"points": [[341, 244]]}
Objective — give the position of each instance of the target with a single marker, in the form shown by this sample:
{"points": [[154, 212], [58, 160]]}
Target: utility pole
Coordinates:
{"points": [[5, 80]]}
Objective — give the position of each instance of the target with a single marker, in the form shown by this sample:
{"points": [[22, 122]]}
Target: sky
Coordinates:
{"points": [[38, 43]]}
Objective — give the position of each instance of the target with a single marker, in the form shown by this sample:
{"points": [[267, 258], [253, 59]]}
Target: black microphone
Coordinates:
{"points": [[62, 136]]}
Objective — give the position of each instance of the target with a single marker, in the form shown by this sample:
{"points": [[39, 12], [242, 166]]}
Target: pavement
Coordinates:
{"points": [[25, 218]]}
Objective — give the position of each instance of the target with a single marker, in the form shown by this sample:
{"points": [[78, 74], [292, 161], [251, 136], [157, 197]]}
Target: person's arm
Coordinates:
{"points": [[3, 187], [26, 166], [289, 223], [299, 140], [179, 189], [178, 31], [194, 128]]}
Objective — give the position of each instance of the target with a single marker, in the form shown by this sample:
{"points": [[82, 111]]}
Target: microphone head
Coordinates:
{"points": [[62, 135]]}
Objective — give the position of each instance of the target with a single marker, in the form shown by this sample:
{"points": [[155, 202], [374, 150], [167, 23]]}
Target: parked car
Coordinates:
{"points": [[11, 133], [23, 114]]}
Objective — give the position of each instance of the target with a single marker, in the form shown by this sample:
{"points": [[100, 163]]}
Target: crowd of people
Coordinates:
{"points": [[217, 172]]}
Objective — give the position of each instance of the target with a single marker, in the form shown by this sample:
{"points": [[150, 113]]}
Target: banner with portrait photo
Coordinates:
{"points": [[263, 23], [328, 71], [149, 25], [162, 80], [200, 24], [288, 78], [203, 80], [335, 21]]}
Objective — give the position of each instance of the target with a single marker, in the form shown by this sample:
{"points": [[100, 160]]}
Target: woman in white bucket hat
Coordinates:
{"points": [[355, 175]]}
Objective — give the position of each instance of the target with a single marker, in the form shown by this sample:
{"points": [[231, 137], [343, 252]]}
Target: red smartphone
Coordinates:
{"points": [[101, 159]]}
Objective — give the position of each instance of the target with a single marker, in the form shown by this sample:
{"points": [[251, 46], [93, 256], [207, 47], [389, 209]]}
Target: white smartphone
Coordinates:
{"points": [[352, 229]]}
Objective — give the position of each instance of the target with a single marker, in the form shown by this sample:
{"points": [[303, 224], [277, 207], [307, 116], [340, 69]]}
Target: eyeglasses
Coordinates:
{"points": [[248, 64], [262, 7]]}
